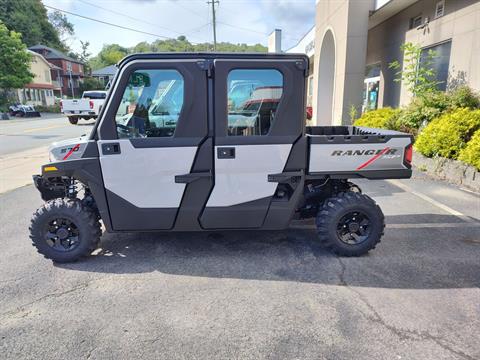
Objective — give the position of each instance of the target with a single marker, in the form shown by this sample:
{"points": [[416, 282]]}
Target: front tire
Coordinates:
{"points": [[64, 231], [350, 224]]}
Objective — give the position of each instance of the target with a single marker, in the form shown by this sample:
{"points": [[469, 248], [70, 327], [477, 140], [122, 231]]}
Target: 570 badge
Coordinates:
{"points": [[69, 151]]}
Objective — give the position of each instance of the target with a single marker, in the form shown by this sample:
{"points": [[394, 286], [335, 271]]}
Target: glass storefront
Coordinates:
{"points": [[371, 86]]}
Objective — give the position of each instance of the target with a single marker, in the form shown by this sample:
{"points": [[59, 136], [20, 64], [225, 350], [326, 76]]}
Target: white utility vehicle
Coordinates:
{"points": [[213, 142], [86, 108]]}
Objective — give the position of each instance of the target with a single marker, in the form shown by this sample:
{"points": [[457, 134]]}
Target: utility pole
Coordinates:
{"points": [[213, 2]]}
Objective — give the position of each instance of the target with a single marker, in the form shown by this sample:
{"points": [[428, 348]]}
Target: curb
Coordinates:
{"points": [[453, 171]]}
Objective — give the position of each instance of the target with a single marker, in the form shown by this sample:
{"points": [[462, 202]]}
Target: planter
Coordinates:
{"points": [[453, 171], [4, 116]]}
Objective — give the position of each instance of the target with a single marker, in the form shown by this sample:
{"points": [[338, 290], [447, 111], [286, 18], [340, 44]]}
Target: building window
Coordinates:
{"points": [[47, 76], [151, 104], [439, 9], [371, 87], [253, 98], [415, 22], [310, 86], [440, 62], [69, 66]]}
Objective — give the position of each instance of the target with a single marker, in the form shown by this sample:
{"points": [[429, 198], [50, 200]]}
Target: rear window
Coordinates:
{"points": [[94, 95]]}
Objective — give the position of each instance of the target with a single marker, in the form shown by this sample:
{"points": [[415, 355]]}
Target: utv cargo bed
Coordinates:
{"points": [[358, 152]]}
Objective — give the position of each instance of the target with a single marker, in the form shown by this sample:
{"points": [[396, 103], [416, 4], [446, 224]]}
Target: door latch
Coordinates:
{"points": [[110, 148], [226, 153]]}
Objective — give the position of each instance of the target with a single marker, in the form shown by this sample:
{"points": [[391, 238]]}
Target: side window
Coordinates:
{"points": [[151, 104], [253, 98]]}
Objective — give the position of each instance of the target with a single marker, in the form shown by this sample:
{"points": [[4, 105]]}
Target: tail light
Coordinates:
{"points": [[91, 104], [408, 154], [61, 105]]}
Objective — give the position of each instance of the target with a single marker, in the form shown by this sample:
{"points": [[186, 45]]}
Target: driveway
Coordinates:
{"points": [[250, 295]]}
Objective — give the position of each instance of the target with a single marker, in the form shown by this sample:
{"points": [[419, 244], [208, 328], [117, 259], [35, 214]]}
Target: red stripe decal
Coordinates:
{"points": [[75, 148], [368, 162]]}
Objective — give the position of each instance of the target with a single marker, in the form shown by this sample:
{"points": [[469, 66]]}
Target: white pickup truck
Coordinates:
{"points": [[88, 107]]}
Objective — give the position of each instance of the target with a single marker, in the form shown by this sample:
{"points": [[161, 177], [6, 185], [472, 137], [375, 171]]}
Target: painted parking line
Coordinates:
{"points": [[432, 201], [45, 128], [404, 226]]}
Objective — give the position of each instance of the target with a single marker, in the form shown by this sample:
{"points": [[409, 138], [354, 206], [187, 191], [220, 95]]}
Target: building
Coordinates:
{"points": [[69, 73], [40, 90], [354, 42], [105, 75], [306, 45]]}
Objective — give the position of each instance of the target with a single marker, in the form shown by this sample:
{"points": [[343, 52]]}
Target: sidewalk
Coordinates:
{"points": [[17, 169]]}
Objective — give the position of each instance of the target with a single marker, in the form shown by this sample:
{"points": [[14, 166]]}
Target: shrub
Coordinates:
{"points": [[429, 106], [463, 97], [377, 118], [423, 109], [471, 153], [448, 134], [51, 108]]}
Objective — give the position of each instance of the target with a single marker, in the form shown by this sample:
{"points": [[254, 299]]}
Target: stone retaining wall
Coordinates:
{"points": [[453, 171]]}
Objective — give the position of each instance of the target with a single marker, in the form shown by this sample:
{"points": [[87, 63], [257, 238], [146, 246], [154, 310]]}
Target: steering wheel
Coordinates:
{"points": [[123, 130]]}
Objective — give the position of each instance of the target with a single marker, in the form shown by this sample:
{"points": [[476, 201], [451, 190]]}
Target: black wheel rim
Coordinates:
{"points": [[62, 235], [354, 228]]}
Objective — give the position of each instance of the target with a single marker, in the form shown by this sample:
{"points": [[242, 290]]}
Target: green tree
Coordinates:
{"points": [[417, 73], [90, 83], [60, 23], [14, 63], [29, 17], [109, 55]]}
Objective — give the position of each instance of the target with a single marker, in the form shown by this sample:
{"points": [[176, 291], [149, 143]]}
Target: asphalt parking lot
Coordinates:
{"points": [[251, 295]]}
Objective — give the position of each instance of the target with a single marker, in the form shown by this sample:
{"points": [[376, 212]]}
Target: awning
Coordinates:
{"points": [[39, 86]]}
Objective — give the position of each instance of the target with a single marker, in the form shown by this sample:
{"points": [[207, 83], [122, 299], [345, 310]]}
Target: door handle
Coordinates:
{"points": [[189, 178], [110, 148], [226, 153]]}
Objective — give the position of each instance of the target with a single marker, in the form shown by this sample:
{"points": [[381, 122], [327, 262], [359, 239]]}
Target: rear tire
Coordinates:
{"points": [[73, 120], [64, 231], [350, 224]]}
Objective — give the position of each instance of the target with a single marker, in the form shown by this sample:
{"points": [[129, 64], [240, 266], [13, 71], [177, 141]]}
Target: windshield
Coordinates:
{"points": [[94, 95]]}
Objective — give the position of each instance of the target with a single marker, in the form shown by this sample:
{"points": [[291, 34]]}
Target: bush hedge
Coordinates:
{"points": [[51, 108], [471, 153], [448, 134], [377, 118]]}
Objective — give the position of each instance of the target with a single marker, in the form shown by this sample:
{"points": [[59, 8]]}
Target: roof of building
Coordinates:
{"points": [[51, 53], [107, 70]]}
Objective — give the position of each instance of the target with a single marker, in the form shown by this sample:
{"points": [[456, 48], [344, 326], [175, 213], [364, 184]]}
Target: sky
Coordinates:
{"points": [[238, 21]]}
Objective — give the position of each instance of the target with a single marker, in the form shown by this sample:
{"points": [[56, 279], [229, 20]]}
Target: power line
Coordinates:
{"points": [[133, 18], [251, 30], [111, 24]]}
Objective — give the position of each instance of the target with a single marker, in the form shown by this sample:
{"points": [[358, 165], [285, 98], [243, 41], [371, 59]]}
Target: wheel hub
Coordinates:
{"points": [[354, 228], [62, 234]]}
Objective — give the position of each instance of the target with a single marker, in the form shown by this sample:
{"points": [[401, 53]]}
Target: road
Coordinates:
{"points": [[253, 295], [24, 145], [22, 134]]}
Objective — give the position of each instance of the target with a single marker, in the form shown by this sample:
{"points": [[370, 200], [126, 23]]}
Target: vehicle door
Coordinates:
{"points": [[154, 125], [259, 110]]}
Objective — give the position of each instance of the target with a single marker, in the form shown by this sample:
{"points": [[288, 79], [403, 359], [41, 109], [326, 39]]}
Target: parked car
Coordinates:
{"points": [[23, 110], [86, 108]]}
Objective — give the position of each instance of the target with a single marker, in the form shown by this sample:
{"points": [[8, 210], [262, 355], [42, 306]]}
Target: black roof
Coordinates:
{"points": [[210, 56]]}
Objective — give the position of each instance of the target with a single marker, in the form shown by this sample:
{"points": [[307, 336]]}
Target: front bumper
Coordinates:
{"points": [[48, 190]]}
